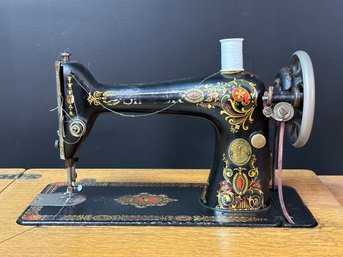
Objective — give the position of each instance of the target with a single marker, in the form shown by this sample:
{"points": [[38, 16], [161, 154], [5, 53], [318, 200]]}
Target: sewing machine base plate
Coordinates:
{"points": [[157, 204]]}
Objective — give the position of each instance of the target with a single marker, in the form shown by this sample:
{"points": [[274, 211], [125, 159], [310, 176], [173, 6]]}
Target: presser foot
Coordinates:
{"points": [[71, 179]]}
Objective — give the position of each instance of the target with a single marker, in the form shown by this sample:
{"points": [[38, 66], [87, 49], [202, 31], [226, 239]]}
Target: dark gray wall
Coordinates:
{"points": [[141, 41]]}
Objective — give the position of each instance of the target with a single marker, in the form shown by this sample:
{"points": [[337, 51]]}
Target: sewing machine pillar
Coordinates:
{"points": [[240, 175]]}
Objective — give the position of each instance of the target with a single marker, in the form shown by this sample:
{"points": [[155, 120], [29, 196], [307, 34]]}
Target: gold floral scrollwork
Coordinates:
{"points": [[99, 98], [236, 100], [94, 98], [241, 189]]}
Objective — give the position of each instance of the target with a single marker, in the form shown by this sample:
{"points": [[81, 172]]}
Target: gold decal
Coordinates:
{"points": [[239, 151], [70, 96], [109, 98], [240, 189], [236, 100]]}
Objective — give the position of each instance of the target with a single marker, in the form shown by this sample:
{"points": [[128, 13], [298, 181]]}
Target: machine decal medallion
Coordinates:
{"points": [[194, 96], [143, 200], [239, 151]]}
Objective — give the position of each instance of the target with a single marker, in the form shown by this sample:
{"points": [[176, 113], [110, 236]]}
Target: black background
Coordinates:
{"points": [[141, 41]]}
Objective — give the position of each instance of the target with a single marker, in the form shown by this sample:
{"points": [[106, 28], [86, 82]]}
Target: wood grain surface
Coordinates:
{"points": [[335, 185], [6, 182], [324, 240]]}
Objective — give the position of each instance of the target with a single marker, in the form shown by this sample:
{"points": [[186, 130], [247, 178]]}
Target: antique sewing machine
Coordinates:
{"points": [[249, 120]]}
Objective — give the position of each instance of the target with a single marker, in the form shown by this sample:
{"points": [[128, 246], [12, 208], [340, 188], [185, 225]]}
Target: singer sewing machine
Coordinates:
{"points": [[249, 121]]}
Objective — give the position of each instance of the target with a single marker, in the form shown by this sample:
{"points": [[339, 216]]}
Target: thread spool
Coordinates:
{"points": [[231, 55]]}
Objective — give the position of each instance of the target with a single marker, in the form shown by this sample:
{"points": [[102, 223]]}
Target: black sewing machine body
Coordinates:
{"points": [[240, 189], [232, 103]]}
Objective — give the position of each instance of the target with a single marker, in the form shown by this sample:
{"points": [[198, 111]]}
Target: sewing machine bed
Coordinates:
{"points": [[155, 204]]}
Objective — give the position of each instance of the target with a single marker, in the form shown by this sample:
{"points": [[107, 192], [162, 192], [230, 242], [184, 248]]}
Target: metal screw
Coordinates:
{"points": [[65, 56], [283, 112], [267, 111]]}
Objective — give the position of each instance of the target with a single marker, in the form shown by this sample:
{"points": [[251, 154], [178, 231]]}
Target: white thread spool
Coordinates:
{"points": [[232, 55]]}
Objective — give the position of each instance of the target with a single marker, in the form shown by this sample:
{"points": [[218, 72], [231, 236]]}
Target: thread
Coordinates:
{"points": [[60, 107], [232, 54], [64, 204], [18, 234], [12, 181]]}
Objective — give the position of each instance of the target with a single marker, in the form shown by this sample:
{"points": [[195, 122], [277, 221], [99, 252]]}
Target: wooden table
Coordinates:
{"points": [[324, 240], [4, 183], [335, 185]]}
